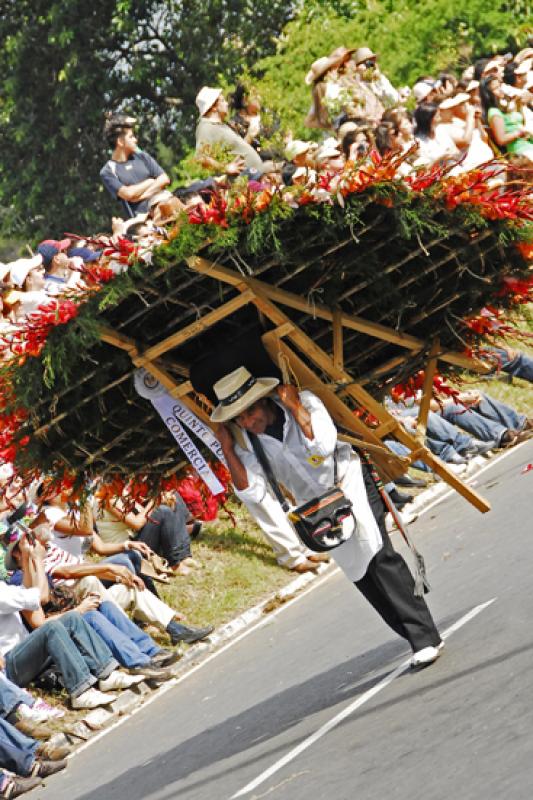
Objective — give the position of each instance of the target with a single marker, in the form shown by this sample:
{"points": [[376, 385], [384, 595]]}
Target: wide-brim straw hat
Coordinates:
{"points": [[325, 63], [524, 67], [238, 391], [456, 100], [364, 54]]}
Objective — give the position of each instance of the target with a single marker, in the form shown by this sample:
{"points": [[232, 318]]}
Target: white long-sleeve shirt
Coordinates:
{"points": [[305, 467], [12, 600]]}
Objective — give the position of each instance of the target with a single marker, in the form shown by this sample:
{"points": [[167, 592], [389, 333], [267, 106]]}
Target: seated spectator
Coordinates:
{"points": [[427, 90], [507, 126], [27, 275], [162, 529], [131, 175], [486, 418], [246, 118], [213, 130], [433, 147], [127, 590], [402, 135], [513, 362], [366, 64], [28, 654], [457, 120], [20, 755], [132, 647]]}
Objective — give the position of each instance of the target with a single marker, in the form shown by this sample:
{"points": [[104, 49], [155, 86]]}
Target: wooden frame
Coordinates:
{"points": [[331, 382]]}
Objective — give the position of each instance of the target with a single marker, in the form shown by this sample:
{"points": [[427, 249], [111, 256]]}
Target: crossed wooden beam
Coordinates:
{"points": [[286, 339]]}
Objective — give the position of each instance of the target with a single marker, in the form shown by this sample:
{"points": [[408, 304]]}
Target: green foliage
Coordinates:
{"points": [[65, 63], [412, 37]]}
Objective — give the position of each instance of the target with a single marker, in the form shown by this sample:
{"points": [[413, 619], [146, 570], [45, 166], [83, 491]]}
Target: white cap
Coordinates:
{"points": [[19, 269], [328, 149], [206, 99], [456, 100], [422, 89], [472, 85], [296, 148], [524, 67]]}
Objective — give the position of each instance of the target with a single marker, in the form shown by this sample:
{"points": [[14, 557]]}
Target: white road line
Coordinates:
{"points": [[364, 698], [172, 683]]}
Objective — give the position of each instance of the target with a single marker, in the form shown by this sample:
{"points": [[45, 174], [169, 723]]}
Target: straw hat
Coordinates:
{"points": [[364, 54], [472, 85], [206, 99], [456, 100], [324, 64], [527, 52], [297, 147], [329, 149], [238, 391], [524, 67]]}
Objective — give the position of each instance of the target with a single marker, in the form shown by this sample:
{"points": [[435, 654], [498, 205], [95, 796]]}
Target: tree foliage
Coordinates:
{"points": [[412, 38], [64, 63]]}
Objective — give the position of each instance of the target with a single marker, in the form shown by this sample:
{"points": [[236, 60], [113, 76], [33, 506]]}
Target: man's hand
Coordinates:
{"points": [[224, 436], [289, 396], [125, 576], [236, 166], [89, 603], [141, 548]]}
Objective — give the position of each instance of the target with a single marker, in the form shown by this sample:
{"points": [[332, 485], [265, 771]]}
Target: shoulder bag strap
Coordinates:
{"points": [[267, 469]]}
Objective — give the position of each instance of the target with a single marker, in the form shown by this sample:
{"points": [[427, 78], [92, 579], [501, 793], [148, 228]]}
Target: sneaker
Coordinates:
{"points": [[43, 769], [53, 712], [191, 635], [51, 752], [165, 658], [455, 458], [119, 680], [155, 676], [305, 566], [426, 656], [35, 713], [92, 698], [17, 786], [478, 448]]}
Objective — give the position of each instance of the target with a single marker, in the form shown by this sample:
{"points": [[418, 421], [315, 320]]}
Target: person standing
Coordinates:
{"points": [[131, 175], [300, 441]]}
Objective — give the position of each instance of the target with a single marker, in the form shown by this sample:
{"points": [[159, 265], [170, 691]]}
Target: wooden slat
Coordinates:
{"points": [[324, 362], [374, 329], [338, 347], [195, 328], [427, 390]]}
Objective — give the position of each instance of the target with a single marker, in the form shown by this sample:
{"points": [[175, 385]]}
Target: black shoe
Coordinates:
{"points": [[17, 786], [192, 635], [43, 769], [153, 674], [407, 480], [196, 528], [399, 499], [165, 658]]}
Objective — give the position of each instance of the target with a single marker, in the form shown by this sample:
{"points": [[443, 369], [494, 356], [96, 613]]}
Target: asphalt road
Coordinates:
{"points": [[463, 728]]}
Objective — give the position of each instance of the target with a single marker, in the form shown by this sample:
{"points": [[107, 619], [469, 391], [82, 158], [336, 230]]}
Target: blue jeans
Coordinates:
{"points": [[521, 366], [71, 645], [442, 438], [166, 532], [17, 751], [131, 646], [487, 420], [12, 696], [401, 450]]}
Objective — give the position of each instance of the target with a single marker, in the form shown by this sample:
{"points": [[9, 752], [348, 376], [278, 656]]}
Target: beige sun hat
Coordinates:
{"points": [[524, 67], [456, 100], [472, 85], [527, 52], [329, 149], [297, 147], [238, 391], [206, 99], [364, 54], [20, 269], [325, 63]]}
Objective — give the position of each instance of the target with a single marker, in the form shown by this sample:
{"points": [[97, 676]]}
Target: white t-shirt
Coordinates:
{"points": [[12, 600], [72, 544]]}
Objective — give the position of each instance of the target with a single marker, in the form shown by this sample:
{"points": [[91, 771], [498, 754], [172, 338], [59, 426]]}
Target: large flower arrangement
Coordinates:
{"points": [[38, 354]]}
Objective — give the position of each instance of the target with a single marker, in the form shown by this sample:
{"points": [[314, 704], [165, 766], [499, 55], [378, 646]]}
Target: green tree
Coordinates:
{"points": [[412, 38], [64, 63]]}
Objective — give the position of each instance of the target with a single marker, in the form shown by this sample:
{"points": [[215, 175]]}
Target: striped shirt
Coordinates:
{"points": [[57, 557]]}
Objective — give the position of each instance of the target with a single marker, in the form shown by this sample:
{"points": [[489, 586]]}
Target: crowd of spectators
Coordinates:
{"points": [[77, 590]]}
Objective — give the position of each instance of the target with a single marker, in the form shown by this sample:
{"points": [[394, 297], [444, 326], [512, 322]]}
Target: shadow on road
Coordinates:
{"points": [[270, 718]]}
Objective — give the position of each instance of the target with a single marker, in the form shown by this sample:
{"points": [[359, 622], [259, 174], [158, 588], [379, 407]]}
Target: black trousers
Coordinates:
{"points": [[389, 586]]}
